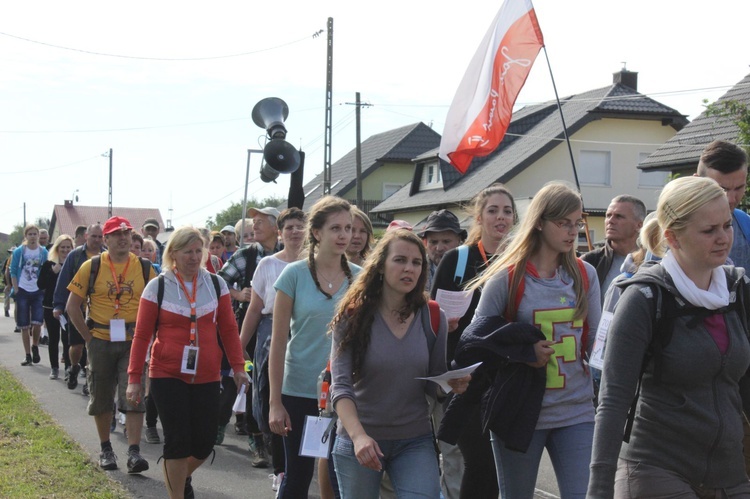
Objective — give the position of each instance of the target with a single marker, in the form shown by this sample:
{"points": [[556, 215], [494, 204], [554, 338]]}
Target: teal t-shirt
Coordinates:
{"points": [[309, 343]]}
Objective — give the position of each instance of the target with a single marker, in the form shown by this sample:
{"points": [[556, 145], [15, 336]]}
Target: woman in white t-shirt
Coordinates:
{"points": [[292, 223]]}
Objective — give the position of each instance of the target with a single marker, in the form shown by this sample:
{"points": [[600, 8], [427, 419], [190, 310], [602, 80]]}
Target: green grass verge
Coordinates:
{"points": [[37, 457]]}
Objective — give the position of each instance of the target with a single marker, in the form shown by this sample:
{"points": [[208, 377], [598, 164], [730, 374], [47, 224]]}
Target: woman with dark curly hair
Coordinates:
{"points": [[383, 341]]}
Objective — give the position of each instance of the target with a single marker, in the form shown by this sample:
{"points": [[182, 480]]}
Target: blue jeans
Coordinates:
{"points": [[30, 311], [569, 450], [411, 464]]}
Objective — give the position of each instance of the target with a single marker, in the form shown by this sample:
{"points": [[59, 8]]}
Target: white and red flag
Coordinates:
{"points": [[481, 110]]}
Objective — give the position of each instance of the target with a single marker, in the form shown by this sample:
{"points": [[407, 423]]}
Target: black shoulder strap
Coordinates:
{"points": [[96, 263], [217, 287], [159, 299], [146, 268], [251, 255]]}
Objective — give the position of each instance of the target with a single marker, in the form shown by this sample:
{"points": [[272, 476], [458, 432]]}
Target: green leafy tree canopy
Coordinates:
{"points": [[233, 214]]}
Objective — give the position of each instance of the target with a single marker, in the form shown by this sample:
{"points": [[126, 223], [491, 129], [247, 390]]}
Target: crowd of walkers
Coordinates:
{"points": [[262, 311]]}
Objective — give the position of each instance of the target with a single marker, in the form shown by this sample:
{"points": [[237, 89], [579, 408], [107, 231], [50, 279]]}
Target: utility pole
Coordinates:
{"points": [[329, 112], [109, 155], [359, 105]]}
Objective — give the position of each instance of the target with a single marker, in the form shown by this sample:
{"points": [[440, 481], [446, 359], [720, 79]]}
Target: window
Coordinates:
{"points": [[594, 167], [390, 189], [651, 179], [433, 174]]}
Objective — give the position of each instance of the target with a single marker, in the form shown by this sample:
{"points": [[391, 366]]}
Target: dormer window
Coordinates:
{"points": [[433, 174]]}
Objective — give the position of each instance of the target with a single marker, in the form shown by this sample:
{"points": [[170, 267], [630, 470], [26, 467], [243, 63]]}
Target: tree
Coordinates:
{"points": [[233, 214]]}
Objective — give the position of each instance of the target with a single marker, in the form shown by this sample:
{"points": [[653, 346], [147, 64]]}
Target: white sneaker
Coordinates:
{"points": [[276, 481]]}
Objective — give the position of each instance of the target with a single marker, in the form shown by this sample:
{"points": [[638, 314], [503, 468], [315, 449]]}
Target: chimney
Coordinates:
{"points": [[627, 78], [68, 203]]}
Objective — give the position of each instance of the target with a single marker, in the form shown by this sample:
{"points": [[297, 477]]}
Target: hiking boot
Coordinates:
{"points": [[258, 453], [113, 424], [53, 374], [189, 492], [152, 436], [136, 463], [73, 378], [17, 330], [27, 361], [85, 389], [35, 354], [84, 371], [108, 460], [220, 434], [67, 374], [44, 340]]}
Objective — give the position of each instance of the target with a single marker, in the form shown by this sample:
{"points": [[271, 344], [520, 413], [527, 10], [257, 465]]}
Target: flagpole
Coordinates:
{"points": [[570, 149], [562, 118]]}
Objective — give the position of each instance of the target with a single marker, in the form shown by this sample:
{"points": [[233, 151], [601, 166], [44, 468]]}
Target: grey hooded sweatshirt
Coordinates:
{"points": [[691, 422]]}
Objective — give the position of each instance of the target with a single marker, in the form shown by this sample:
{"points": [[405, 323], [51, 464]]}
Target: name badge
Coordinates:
{"points": [[189, 360], [117, 330]]}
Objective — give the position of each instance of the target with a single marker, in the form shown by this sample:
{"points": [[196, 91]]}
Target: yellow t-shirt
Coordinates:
{"points": [[102, 299]]}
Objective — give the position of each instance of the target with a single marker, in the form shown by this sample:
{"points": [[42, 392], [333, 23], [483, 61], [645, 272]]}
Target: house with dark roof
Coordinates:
{"points": [[681, 153], [611, 130], [386, 167], [66, 217]]}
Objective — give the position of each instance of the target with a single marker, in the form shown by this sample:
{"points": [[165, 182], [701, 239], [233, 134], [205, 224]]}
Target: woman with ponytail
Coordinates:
{"points": [[307, 292]]}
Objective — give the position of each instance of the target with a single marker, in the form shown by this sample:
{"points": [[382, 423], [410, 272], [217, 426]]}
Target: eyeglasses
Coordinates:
{"points": [[564, 224]]}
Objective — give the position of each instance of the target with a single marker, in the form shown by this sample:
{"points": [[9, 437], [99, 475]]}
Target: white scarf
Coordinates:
{"points": [[717, 295]]}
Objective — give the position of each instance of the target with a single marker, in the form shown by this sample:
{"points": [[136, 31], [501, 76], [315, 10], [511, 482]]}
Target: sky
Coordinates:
{"points": [[169, 86]]}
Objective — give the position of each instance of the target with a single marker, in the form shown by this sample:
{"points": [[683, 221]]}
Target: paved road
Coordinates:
{"points": [[230, 476]]}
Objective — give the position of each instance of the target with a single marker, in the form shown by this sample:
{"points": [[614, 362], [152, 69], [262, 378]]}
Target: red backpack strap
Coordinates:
{"points": [[434, 316], [585, 332], [511, 311]]}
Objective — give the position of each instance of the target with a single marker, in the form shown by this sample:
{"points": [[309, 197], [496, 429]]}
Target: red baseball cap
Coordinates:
{"points": [[116, 223], [399, 224]]}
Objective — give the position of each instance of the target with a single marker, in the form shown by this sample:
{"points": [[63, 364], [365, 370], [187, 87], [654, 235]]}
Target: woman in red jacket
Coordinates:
{"points": [[185, 357]]}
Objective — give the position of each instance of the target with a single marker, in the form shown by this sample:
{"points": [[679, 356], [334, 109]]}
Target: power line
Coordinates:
{"points": [[129, 129], [52, 168], [142, 58]]}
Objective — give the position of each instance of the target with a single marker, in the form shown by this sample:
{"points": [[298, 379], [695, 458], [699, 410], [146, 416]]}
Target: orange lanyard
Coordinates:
{"points": [[193, 311], [482, 252], [118, 282]]}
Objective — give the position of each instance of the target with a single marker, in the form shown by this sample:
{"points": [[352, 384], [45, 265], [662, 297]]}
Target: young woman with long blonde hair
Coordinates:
{"points": [[538, 280]]}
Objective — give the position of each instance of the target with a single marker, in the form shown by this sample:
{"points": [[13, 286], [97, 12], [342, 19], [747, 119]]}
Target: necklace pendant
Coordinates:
{"points": [[330, 286]]}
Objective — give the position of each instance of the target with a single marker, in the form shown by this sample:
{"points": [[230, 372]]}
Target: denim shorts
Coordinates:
{"points": [[30, 310]]}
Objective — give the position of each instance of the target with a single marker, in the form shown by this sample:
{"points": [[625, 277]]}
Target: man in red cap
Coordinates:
{"points": [[112, 283]]}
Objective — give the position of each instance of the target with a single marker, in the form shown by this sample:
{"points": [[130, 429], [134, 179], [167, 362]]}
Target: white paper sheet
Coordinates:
{"points": [[63, 322], [312, 435], [117, 330], [442, 380], [454, 303], [240, 403], [600, 342]]}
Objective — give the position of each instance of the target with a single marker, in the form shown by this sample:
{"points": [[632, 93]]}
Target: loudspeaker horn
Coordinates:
{"points": [[270, 113], [280, 157]]}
